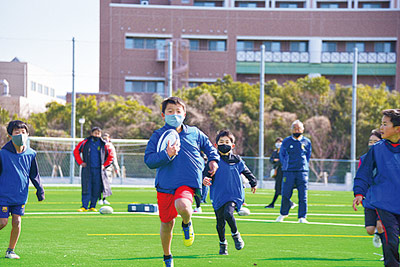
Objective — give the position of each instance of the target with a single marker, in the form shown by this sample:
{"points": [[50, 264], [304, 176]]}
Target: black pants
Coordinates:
{"points": [[225, 214], [391, 224]]}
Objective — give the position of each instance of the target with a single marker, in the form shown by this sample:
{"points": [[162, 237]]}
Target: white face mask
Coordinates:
{"points": [[278, 145]]}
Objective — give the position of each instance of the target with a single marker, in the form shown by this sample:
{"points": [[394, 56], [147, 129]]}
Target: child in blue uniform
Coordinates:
{"points": [[178, 174], [17, 166], [372, 223], [295, 156], [377, 180], [226, 189]]}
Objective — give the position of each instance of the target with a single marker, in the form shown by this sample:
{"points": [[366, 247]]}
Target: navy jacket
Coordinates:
{"points": [[187, 167], [227, 182], [295, 154], [16, 169], [377, 179]]}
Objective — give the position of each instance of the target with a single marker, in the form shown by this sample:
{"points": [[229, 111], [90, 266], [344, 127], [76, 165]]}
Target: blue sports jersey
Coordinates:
{"points": [[381, 188], [295, 154], [187, 167], [16, 170], [227, 185]]}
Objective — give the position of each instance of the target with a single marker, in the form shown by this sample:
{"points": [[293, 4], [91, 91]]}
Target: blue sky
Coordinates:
{"points": [[40, 32]]}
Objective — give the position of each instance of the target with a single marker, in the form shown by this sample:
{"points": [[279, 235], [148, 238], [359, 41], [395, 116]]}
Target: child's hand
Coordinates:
{"points": [[357, 201], [173, 149], [207, 181], [83, 164], [253, 189], [213, 167]]}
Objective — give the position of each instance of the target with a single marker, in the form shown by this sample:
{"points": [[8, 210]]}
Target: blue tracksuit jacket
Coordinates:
{"points": [[227, 182], [187, 167], [380, 190], [295, 154], [15, 171]]}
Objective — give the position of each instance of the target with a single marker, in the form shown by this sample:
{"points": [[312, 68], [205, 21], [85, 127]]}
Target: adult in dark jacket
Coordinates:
{"points": [[277, 166], [94, 156]]}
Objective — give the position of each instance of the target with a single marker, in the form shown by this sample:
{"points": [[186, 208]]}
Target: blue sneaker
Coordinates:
{"points": [[169, 263], [188, 235]]}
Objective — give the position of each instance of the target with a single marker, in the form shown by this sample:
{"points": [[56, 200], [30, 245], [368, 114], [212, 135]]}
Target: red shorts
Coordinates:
{"points": [[166, 202]]}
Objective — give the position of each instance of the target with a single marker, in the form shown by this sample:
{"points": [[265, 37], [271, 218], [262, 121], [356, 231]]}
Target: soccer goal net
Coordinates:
{"points": [[55, 157]]}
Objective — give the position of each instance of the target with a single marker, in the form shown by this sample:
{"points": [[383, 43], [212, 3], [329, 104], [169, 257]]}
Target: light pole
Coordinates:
{"points": [[82, 121]]}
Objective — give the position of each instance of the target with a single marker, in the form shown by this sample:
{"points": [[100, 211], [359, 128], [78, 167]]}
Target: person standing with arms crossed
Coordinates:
{"points": [[295, 155], [96, 156]]}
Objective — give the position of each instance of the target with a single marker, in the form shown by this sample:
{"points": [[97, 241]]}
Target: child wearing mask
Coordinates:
{"points": [[226, 189]]}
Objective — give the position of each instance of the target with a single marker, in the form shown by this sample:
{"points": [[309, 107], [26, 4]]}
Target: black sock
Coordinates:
{"points": [[9, 250], [167, 257], [185, 224]]}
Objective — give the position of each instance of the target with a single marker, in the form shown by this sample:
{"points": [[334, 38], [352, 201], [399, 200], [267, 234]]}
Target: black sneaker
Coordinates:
{"points": [[270, 206], [239, 243], [223, 249]]}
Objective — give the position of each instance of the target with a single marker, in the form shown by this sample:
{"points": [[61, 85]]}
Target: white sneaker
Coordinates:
{"points": [[303, 220], [376, 241], [100, 202], [11, 255], [198, 210], [106, 202], [280, 218]]}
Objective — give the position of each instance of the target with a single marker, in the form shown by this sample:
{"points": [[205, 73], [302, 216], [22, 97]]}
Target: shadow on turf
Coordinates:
{"points": [[208, 256]]}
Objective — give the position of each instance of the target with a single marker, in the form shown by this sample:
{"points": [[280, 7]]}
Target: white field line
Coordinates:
{"points": [[196, 216]]}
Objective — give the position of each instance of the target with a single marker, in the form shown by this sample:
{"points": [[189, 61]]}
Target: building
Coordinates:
{"points": [[25, 88], [212, 38]]}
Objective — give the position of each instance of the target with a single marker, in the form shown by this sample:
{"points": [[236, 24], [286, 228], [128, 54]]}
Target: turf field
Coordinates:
{"points": [[54, 234]]}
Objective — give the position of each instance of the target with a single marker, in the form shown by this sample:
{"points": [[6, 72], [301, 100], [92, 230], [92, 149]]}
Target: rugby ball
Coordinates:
{"points": [[244, 211], [106, 210], [170, 136]]}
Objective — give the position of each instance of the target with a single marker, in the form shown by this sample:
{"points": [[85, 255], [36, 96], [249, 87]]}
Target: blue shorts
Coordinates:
{"points": [[6, 210]]}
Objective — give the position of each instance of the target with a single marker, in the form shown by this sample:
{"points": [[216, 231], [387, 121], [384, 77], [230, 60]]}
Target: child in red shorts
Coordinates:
{"points": [[178, 174]]}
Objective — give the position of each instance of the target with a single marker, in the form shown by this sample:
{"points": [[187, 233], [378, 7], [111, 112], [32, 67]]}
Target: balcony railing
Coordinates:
{"points": [[273, 56], [326, 57], [363, 57]]}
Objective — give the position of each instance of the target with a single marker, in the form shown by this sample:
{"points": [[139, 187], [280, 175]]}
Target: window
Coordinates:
{"points": [[298, 46], [272, 46], [46, 90], [350, 47], [52, 92], [288, 5], [386, 47], [217, 45], [329, 46], [248, 4], [144, 87], [203, 3], [329, 5], [371, 5], [245, 46], [40, 88], [144, 43], [194, 45], [33, 86]]}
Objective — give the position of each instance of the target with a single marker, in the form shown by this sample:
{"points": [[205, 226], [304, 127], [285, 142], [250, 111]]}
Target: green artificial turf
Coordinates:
{"points": [[55, 234]]}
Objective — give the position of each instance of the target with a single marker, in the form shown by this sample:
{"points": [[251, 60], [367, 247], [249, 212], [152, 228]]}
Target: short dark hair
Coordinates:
{"points": [[172, 100], [96, 128], [394, 115], [17, 124], [279, 139], [106, 134], [225, 133], [377, 133]]}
